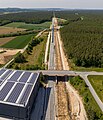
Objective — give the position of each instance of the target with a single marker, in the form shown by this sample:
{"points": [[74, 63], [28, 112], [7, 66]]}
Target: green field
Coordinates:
{"points": [[97, 83], [29, 26], [91, 107], [19, 42]]}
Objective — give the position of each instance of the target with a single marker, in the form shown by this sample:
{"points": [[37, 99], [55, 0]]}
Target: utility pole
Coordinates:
{"points": [[54, 14]]}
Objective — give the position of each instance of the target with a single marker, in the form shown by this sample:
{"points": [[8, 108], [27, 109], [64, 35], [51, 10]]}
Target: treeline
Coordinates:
{"points": [[27, 17], [83, 41], [4, 22]]}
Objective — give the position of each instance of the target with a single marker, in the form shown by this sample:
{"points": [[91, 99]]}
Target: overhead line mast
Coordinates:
{"points": [[54, 14]]}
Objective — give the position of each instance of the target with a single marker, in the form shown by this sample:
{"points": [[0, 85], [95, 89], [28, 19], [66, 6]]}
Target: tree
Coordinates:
{"points": [[20, 58]]}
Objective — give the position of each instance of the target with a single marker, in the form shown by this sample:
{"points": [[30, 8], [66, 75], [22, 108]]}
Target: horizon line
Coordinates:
{"points": [[51, 8]]}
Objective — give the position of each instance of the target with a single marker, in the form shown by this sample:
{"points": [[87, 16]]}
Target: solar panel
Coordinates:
{"points": [[15, 76], [1, 79], [26, 95], [25, 77], [2, 71], [16, 86], [6, 74], [32, 80], [15, 93], [0, 82], [5, 90]]}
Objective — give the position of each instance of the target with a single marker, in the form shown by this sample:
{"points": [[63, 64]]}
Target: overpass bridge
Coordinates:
{"points": [[67, 72]]}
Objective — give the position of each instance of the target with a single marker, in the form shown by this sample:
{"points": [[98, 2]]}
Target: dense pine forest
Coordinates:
{"points": [[83, 37], [27, 17]]}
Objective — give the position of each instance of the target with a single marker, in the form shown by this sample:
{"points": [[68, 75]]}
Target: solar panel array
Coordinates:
{"points": [[16, 86]]}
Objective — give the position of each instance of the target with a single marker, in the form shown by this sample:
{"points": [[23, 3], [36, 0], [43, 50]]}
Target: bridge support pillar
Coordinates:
{"points": [[66, 78], [56, 79]]}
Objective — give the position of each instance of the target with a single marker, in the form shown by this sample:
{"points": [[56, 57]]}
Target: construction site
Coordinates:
{"points": [[57, 99]]}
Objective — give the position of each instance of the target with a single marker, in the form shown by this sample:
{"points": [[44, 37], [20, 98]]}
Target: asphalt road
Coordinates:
{"points": [[51, 65], [50, 90]]}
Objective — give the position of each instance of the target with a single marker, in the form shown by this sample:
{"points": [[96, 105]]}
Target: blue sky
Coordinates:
{"points": [[52, 3]]}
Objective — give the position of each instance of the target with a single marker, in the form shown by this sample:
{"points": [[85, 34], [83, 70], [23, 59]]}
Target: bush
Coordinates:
{"points": [[32, 67], [20, 58]]}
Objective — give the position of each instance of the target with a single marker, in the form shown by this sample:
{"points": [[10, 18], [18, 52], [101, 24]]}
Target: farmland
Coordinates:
{"points": [[97, 83], [5, 40], [29, 26], [9, 30], [18, 42]]}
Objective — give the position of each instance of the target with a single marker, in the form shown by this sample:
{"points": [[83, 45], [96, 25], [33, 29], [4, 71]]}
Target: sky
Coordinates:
{"points": [[75, 4]]}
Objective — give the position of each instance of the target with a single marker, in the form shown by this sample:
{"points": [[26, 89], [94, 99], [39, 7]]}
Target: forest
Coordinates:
{"points": [[35, 17], [83, 38]]}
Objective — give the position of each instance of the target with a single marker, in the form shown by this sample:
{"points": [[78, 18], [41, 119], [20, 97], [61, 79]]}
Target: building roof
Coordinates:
{"points": [[16, 86]]}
